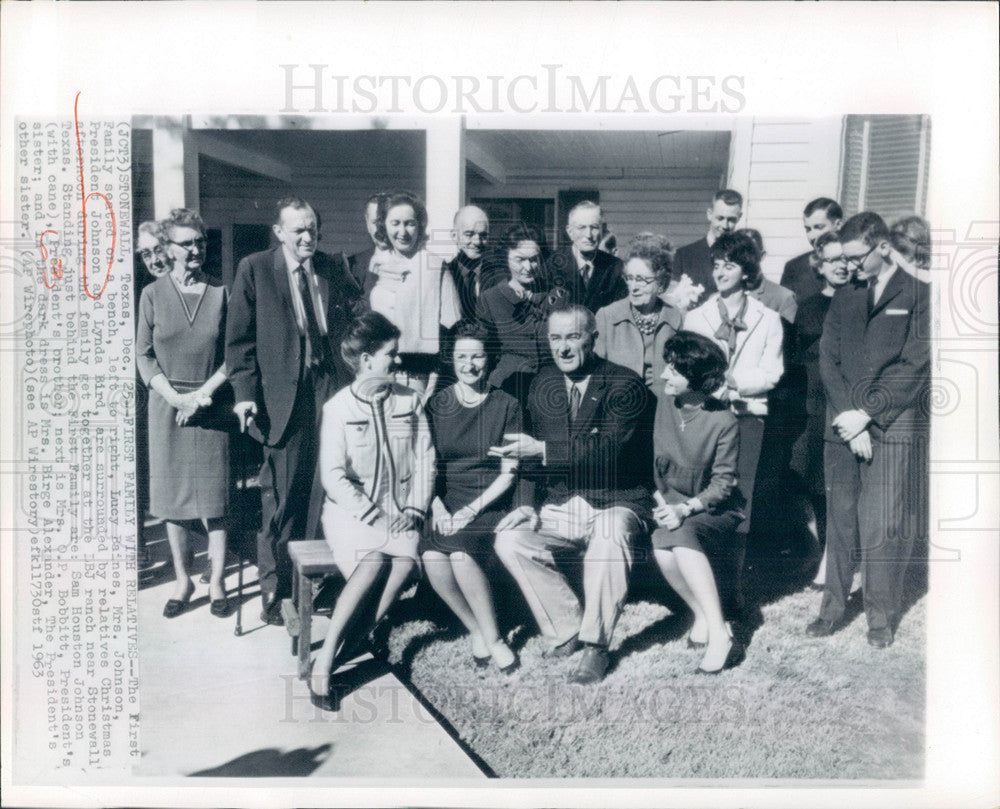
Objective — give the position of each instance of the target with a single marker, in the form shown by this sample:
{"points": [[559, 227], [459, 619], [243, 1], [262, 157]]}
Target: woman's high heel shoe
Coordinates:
{"points": [[480, 651], [330, 701], [736, 655], [175, 606], [502, 655]]}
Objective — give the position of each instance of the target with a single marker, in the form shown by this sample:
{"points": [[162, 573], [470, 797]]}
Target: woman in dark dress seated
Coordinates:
{"points": [[698, 506], [473, 491], [515, 310]]}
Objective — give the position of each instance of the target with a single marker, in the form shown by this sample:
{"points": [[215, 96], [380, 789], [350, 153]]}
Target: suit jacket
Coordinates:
{"points": [[695, 261], [490, 274], [801, 278], [264, 350], [878, 362], [606, 283], [757, 363], [605, 455], [777, 298], [358, 267]]}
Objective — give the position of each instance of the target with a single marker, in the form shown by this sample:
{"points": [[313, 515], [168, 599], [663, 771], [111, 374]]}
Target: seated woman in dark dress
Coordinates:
{"points": [[515, 310], [473, 491], [698, 506]]}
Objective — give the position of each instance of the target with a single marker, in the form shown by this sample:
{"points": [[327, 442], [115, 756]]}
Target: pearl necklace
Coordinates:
{"points": [[645, 323]]}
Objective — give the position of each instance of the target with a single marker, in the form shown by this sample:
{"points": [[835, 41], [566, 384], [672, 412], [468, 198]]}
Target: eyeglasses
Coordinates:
{"points": [[191, 244], [147, 254], [843, 260], [638, 279], [857, 261]]}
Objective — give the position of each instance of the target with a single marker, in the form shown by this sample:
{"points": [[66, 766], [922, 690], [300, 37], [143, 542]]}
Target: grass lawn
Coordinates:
{"points": [[798, 707]]}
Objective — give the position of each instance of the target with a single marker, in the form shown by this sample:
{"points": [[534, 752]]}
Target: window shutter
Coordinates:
{"points": [[885, 165]]}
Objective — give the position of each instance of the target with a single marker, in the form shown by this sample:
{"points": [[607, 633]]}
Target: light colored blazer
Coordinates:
{"points": [[757, 364], [359, 451], [619, 340]]}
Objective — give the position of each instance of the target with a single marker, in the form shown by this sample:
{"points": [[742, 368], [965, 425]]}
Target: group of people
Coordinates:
{"points": [[545, 407]]}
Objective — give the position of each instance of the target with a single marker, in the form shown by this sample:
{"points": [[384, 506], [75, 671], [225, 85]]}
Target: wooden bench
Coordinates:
{"points": [[312, 561]]}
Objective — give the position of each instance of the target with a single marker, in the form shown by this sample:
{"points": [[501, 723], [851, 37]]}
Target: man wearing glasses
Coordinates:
{"points": [[874, 361], [288, 309]]}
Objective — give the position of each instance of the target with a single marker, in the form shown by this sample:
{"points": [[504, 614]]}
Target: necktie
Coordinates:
{"points": [[574, 402], [872, 282], [314, 338], [585, 271]]}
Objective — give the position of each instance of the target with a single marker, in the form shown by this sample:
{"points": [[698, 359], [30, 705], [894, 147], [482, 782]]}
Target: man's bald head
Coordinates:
{"points": [[471, 231]]}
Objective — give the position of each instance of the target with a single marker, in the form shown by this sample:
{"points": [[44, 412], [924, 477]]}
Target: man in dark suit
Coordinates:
{"points": [[695, 260], [471, 232], [358, 263], [875, 365], [587, 275], [288, 309], [822, 215], [589, 468]]}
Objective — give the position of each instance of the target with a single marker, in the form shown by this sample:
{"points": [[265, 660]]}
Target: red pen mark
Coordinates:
{"points": [[57, 273]]}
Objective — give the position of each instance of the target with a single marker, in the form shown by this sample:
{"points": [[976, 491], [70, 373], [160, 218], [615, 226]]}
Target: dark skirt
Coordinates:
{"points": [[476, 539]]}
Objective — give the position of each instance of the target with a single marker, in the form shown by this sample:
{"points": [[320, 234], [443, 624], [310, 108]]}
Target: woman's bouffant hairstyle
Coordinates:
{"points": [[656, 251], [473, 330], [182, 218], [523, 232], [911, 236], [390, 201], [366, 335], [699, 360], [739, 248]]}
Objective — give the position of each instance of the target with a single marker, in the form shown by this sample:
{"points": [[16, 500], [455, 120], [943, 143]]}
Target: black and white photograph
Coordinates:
{"points": [[381, 512], [522, 430]]}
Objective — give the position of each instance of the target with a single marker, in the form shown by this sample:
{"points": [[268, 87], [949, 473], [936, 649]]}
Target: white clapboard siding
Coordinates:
{"points": [[782, 164]]}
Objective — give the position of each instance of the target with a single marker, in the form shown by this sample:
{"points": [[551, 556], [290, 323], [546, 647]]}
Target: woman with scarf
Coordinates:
{"points": [[409, 286], [751, 337]]}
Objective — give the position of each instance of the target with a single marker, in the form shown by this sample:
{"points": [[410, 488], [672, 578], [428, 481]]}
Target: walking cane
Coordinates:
{"points": [[241, 482]]}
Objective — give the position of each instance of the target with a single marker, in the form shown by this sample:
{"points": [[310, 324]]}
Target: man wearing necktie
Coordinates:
{"points": [[471, 232], [287, 311], [591, 277], [584, 494], [875, 365]]}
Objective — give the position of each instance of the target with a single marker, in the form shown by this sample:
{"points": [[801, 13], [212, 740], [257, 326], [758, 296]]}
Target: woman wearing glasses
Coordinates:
{"points": [[180, 354], [632, 332]]}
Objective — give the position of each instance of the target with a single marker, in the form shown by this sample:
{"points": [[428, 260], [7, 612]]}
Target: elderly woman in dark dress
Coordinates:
{"points": [[180, 350], [696, 448], [515, 311], [473, 491]]}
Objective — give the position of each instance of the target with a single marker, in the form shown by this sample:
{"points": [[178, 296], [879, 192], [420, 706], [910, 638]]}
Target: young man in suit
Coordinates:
{"points": [[820, 216], [589, 276], [288, 309], [589, 475], [695, 260], [875, 365]]}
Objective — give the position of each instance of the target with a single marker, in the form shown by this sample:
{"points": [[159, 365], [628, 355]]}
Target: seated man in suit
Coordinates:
{"points": [[287, 313], [874, 360], [591, 444], [358, 263], [589, 276], [471, 232], [695, 260], [820, 216]]}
